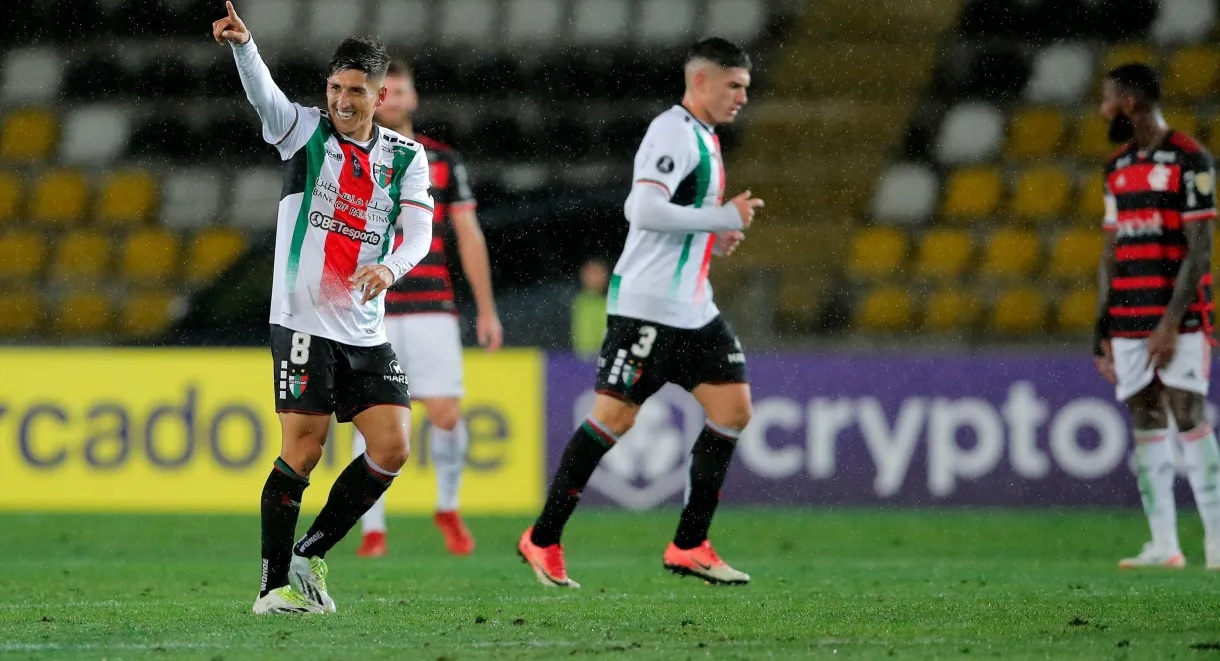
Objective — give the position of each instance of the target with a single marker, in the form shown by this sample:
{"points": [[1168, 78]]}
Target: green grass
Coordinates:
{"points": [[837, 584]]}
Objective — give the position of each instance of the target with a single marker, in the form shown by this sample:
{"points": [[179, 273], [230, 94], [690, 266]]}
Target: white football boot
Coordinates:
{"points": [[308, 575], [1212, 550], [1152, 556], [284, 599]]}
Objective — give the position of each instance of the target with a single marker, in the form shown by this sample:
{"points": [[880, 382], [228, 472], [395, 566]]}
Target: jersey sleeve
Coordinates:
{"points": [[414, 184], [460, 195], [286, 125], [1109, 221], [665, 157], [1199, 187]]}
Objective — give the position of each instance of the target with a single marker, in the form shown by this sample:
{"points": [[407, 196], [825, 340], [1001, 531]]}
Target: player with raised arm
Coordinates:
{"points": [[1154, 316], [347, 184], [662, 325], [422, 323]]}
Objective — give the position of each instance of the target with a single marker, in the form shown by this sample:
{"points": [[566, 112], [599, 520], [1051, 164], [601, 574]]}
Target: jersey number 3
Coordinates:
{"points": [[300, 349], [648, 335]]}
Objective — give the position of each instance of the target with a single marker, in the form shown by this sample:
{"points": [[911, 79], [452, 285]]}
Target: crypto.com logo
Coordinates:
{"points": [[649, 464]]}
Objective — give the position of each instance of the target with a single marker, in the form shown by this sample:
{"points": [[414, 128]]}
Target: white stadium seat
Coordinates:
{"points": [[1061, 74], [32, 74], [665, 21], [532, 21], [190, 197], [94, 134], [402, 20], [331, 21], [469, 22], [270, 21], [970, 132], [739, 21], [1183, 21], [906, 194], [600, 21], [256, 197]]}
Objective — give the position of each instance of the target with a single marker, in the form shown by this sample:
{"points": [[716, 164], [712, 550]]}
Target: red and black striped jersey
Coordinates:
{"points": [[428, 287], [1150, 196]]}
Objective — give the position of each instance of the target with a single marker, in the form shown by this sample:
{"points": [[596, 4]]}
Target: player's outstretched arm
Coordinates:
{"points": [[278, 114], [648, 207]]}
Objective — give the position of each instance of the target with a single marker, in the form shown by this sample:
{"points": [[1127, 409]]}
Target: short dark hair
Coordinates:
{"points": [[721, 51], [399, 67], [1137, 78], [365, 54]]}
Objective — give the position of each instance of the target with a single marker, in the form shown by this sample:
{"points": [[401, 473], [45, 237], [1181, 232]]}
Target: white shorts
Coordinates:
{"points": [[429, 345], [1189, 370]]}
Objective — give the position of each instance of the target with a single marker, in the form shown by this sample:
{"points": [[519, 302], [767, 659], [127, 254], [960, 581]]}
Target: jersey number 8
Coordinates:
{"points": [[300, 349], [648, 335]]}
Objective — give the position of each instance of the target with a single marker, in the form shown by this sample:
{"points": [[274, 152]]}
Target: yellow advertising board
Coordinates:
{"points": [[196, 430]]}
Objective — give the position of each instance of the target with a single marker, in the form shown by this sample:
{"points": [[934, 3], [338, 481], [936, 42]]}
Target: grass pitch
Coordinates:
{"points": [[839, 584]]}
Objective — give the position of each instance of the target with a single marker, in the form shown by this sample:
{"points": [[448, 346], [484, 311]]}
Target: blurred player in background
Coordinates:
{"points": [[662, 325], [1153, 338], [422, 322], [347, 183]]}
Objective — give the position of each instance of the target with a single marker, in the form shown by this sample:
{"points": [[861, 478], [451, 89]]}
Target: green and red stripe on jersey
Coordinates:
{"points": [[351, 208]]}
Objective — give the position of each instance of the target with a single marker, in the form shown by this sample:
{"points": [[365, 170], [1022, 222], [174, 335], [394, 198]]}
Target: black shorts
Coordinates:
{"points": [[320, 376], [638, 357]]}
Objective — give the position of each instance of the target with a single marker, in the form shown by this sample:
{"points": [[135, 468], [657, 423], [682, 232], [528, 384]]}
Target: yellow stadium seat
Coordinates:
{"points": [[971, 193], [1010, 253], [1126, 53], [950, 309], [1091, 206], [212, 251], [1077, 310], [1076, 253], [1021, 310], [1041, 193], [1192, 72], [886, 308], [1092, 142], [10, 196], [83, 314], [878, 252], [21, 255], [150, 255], [1182, 120], [126, 197], [60, 197], [83, 255], [28, 135], [1035, 133], [20, 312], [944, 254], [146, 314]]}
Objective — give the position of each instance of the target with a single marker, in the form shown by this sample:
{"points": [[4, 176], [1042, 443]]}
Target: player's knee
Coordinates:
{"points": [[734, 417], [1188, 411], [615, 415], [391, 458], [444, 414], [1149, 418]]}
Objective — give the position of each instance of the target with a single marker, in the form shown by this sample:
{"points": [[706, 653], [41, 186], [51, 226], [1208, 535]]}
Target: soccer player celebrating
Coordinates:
{"points": [[1153, 338], [422, 324], [662, 325], [347, 183]]}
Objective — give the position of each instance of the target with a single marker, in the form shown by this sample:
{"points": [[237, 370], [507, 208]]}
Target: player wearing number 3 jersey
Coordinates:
{"points": [[347, 185], [662, 325]]}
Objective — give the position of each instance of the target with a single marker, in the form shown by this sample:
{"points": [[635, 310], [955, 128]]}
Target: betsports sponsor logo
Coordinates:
{"points": [[330, 224]]}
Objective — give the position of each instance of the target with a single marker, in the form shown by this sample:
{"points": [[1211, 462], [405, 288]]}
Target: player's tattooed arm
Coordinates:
{"points": [[1194, 267], [1102, 356]]}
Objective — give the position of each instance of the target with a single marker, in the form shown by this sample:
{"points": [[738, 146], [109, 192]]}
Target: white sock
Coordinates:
{"points": [[1155, 475], [1202, 458], [449, 457], [374, 519]]}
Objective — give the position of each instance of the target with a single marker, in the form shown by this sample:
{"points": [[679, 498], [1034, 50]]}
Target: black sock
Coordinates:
{"points": [[281, 507], [354, 492], [579, 461], [709, 463]]}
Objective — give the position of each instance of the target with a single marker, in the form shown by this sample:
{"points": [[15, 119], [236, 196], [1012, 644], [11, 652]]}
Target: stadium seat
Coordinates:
{"points": [[532, 21], [944, 254], [950, 309], [469, 22], [878, 252], [906, 194], [599, 22], [1125, 53], [20, 312], [1077, 310], [276, 19], [32, 75], [1010, 253], [10, 197], [212, 251], [59, 197], [1092, 143], [1061, 74], [95, 134], [126, 197], [403, 21], [256, 199], [741, 21], [190, 197], [333, 20], [150, 255], [29, 135], [82, 256], [83, 314], [1019, 311], [662, 22], [146, 313], [1183, 21], [1041, 193], [970, 132], [1035, 133], [21, 255], [1091, 207], [886, 308], [971, 193], [1182, 120], [1076, 253], [1192, 73]]}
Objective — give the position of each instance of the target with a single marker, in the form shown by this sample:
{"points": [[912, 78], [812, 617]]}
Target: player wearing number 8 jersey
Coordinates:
{"points": [[347, 184], [662, 325]]}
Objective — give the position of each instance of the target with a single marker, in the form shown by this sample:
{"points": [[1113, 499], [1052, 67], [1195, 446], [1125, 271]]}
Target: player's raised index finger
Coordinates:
{"points": [[232, 11]]}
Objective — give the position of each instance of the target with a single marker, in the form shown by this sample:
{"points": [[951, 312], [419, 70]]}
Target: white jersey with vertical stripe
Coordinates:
{"points": [[662, 276], [337, 212]]}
